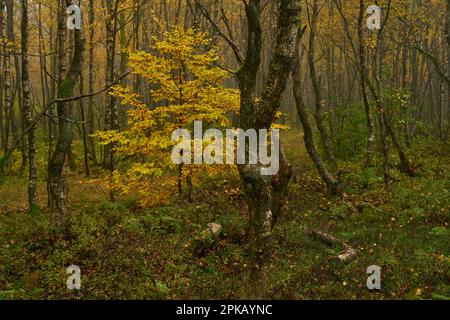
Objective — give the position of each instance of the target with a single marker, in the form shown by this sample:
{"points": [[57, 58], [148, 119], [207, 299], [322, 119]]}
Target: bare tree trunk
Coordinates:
{"points": [[32, 178], [376, 92], [363, 83], [308, 134], [57, 165], [331, 74], [2, 57], [359, 54], [447, 31], [9, 102], [91, 115], [83, 126], [328, 147], [70, 106], [414, 100], [258, 114], [405, 165], [52, 127], [45, 90], [136, 44], [42, 62], [17, 90], [111, 109], [124, 44], [404, 84], [385, 124]]}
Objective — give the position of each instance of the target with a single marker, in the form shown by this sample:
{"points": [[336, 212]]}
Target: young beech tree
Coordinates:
{"points": [[186, 87]]}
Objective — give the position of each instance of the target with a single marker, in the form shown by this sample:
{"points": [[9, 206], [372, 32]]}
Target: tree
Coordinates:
{"points": [[10, 126], [318, 98], [2, 39], [32, 178], [187, 88], [58, 189], [91, 116], [265, 194], [111, 116], [308, 133], [363, 83], [447, 31]]}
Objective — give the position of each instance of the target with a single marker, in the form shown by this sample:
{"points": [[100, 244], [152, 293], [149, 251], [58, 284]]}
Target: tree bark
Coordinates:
{"points": [[32, 168], [447, 31], [111, 119], [363, 83], [84, 137], [91, 115], [376, 92], [263, 192], [327, 145], [385, 125], [57, 165], [2, 118], [308, 134], [9, 103]]}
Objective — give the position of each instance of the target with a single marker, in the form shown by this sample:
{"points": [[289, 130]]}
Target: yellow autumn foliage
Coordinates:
{"points": [[186, 86]]}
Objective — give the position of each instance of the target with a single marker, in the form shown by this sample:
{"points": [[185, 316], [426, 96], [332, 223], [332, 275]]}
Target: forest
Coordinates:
{"points": [[224, 149]]}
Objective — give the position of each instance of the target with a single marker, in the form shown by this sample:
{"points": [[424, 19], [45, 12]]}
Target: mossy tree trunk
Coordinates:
{"points": [[57, 166], [32, 168], [264, 193]]}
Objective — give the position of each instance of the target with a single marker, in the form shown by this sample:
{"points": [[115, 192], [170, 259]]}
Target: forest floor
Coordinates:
{"points": [[128, 252]]}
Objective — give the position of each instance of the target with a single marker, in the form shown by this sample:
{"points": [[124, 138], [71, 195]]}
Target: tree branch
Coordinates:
{"points": [[228, 39], [44, 112]]}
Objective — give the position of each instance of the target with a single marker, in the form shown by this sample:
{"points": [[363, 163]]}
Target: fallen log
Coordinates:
{"points": [[344, 256], [207, 239]]}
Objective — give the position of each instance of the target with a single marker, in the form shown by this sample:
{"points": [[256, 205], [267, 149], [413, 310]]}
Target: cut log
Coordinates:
{"points": [[214, 230]]}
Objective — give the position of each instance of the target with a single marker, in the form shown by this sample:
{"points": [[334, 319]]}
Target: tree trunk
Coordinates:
{"points": [[363, 83], [376, 92], [124, 44], [17, 90], [32, 179], [57, 165], [111, 119], [263, 191], [9, 103], [2, 57], [385, 124], [308, 134], [83, 126], [136, 43], [405, 165], [91, 116], [447, 31], [317, 88]]}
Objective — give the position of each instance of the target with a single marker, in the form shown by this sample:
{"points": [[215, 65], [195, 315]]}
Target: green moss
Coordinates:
{"points": [[66, 88]]}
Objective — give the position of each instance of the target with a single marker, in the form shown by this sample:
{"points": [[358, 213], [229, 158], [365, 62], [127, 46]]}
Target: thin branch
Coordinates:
{"points": [[44, 112], [228, 39]]}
